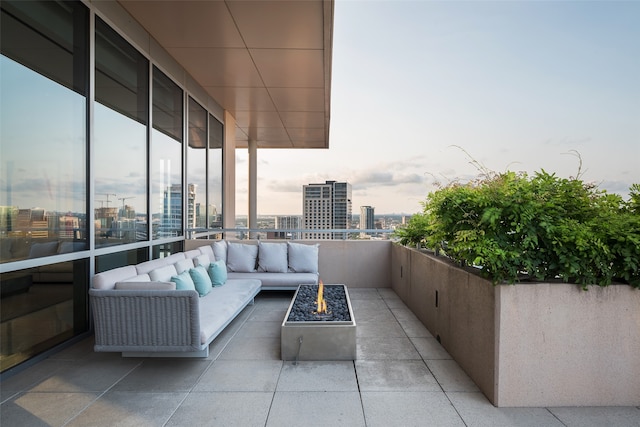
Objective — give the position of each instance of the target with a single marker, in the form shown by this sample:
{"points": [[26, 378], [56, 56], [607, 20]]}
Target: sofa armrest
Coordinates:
{"points": [[146, 320]]}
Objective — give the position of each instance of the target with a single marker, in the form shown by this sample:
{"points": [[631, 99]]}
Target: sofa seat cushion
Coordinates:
{"points": [[278, 280], [221, 305]]}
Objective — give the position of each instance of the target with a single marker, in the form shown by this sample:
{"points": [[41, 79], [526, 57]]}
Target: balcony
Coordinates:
{"points": [[402, 375]]}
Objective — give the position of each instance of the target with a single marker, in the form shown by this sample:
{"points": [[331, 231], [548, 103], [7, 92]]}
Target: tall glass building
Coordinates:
{"points": [[119, 122]]}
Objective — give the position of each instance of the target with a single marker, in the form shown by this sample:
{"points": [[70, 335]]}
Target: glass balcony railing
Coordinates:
{"points": [[293, 234]]}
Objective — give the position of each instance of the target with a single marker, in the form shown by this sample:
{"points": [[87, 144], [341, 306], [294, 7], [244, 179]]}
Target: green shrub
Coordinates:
{"points": [[541, 227]]}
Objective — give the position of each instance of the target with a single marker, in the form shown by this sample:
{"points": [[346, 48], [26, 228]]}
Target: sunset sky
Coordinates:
{"points": [[416, 85]]}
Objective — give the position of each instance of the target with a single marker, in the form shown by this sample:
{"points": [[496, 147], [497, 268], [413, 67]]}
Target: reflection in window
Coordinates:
{"points": [[43, 133], [215, 173], [166, 161], [120, 129], [121, 259], [197, 169], [40, 308], [166, 249]]}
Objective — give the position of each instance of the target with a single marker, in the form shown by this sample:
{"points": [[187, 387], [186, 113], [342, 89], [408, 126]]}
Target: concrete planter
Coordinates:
{"points": [[532, 345]]}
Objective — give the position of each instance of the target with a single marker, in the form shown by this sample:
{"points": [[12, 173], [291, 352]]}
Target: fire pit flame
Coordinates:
{"points": [[321, 302]]}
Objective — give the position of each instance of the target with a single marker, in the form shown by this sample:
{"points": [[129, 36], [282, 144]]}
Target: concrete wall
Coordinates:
{"points": [[562, 346], [355, 263], [462, 318], [528, 344]]}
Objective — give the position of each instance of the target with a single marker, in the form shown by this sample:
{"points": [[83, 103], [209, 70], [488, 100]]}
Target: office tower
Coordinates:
{"points": [[287, 222], [366, 219], [325, 207]]}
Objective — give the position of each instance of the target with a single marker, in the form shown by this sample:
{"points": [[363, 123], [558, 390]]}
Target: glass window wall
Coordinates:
{"points": [[166, 159], [197, 169], [43, 162], [214, 189], [121, 115]]}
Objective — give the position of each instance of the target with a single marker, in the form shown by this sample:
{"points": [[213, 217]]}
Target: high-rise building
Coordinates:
{"points": [[326, 207], [366, 219], [287, 222]]}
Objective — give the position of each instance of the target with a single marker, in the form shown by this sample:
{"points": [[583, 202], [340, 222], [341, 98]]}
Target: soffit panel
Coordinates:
{"points": [[290, 67], [298, 99], [219, 67], [269, 119], [280, 24], [187, 23], [303, 119], [236, 99], [266, 62]]}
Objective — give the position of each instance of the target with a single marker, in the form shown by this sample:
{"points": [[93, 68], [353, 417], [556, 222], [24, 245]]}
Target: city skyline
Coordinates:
{"points": [[522, 86]]}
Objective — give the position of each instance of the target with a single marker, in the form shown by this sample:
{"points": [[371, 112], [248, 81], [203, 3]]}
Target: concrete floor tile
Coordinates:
{"points": [[360, 305], [386, 349], [245, 409], [316, 409], [268, 315], [92, 375], [407, 409], [598, 416], [395, 375], [450, 376], [260, 330], [43, 409], [318, 376], [267, 348], [164, 375], [476, 411], [380, 315], [129, 409], [363, 293], [429, 348], [388, 294], [240, 375], [25, 381], [388, 329]]}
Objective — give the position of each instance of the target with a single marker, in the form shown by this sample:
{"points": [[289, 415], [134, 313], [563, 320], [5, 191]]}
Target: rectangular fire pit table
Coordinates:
{"points": [[321, 339]]}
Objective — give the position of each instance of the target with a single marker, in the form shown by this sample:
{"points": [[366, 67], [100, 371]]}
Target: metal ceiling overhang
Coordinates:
{"points": [[268, 62]]}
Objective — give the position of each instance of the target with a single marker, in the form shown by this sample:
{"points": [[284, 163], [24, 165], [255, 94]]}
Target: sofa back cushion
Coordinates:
{"points": [[192, 253], [202, 260], [148, 266], [303, 258], [207, 250], [163, 274], [272, 257], [242, 257], [108, 279], [219, 249], [183, 264]]}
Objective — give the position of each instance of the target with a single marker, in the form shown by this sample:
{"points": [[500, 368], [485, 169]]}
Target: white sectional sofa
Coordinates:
{"points": [[165, 307]]}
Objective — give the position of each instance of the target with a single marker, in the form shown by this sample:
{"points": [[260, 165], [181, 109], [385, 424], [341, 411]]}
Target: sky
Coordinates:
{"points": [[424, 91]]}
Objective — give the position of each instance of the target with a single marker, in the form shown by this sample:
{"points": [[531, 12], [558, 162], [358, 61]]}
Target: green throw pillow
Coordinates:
{"points": [[183, 281], [201, 279], [218, 273]]}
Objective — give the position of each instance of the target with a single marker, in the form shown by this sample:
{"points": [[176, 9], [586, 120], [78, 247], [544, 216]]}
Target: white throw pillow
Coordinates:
{"points": [[220, 250], [272, 257], [242, 257], [303, 258], [163, 274]]}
